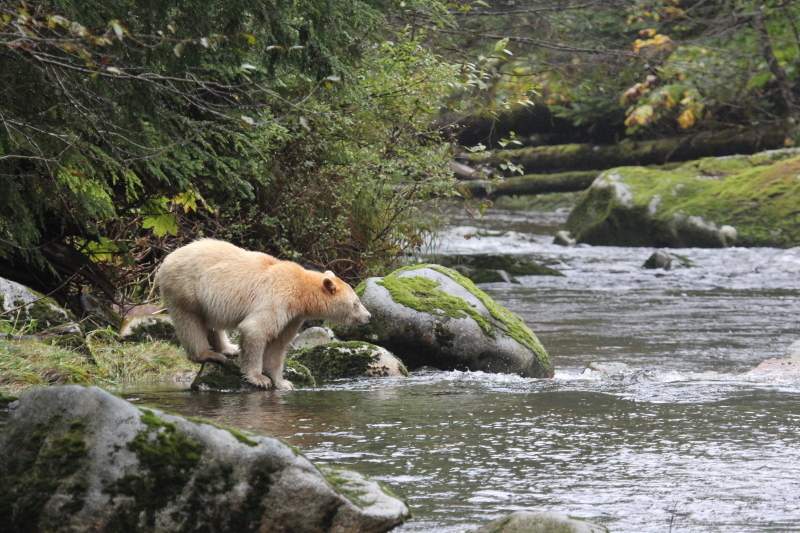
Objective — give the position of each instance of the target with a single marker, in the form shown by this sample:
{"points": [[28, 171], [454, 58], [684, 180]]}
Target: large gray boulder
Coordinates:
{"points": [[81, 459], [32, 311], [432, 315], [540, 522]]}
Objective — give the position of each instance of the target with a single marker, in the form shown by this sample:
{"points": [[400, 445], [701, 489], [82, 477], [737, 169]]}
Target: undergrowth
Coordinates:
{"points": [[30, 363]]}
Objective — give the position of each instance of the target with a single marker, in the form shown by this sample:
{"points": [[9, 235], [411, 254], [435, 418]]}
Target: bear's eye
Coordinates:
{"points": [[355, 305]]}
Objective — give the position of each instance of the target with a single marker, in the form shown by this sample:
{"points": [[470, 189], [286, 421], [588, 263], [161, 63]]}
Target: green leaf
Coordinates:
{"points": [[162, 224]]}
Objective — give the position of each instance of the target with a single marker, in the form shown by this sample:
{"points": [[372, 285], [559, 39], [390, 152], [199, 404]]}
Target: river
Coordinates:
{"points": [[678, 442]]}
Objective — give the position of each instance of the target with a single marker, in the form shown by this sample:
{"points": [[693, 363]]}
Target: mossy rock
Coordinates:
{"points": [[349, 360], [35, 314], [430, 315], [227, 377], [75, 457], [713, 202], [148, 328], [488, 268]]}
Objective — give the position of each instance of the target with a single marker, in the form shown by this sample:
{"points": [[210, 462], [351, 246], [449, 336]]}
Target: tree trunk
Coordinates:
{"points": [[532, 184], [572, 157], [784, 83]]}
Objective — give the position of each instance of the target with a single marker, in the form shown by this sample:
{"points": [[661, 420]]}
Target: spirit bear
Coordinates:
{"points": [[211, 286]]}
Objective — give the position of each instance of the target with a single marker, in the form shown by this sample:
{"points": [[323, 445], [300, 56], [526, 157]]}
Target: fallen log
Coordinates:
{"points": [[531, 184], [572, 157]]}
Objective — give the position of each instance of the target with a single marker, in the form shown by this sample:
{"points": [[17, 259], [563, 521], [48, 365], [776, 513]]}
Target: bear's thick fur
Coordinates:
{"points": [[211, 286]]}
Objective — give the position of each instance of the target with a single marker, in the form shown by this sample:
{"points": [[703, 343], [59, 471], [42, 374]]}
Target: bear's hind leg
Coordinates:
{"points": [[218, 338], [275, 354], [191, 332]]}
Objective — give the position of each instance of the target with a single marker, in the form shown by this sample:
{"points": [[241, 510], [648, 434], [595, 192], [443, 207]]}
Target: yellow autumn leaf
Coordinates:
{"points": [[640, 116], [686, 120]]}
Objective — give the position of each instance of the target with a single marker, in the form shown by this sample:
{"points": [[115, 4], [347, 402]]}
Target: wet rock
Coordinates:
{"points": [[564, 238], [349, 360], [99, 312], [33, 313], [486, 268], [709, 203], [228, 377], [540, 522], [606, 369], [665, 260], [147, 328], [81, 459], [785, 368], [312, 337], [432, 315]]}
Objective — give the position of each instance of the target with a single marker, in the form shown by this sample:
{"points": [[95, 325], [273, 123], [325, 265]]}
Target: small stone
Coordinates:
{"points": [[312, 337], [540, 522], [564, 238]]}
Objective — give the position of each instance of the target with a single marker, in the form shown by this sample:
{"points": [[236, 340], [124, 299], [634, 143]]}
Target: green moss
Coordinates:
{"points": [[154, 330], [421, 294], [341, 485], [360, 288], [228, 376], [338, 359], [757, 195], [5, 400], [239, 435], [223, 377], [167, 461], [298, 373], [44, 461]]}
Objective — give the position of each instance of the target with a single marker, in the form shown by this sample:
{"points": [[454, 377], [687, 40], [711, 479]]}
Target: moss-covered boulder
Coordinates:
{"points": [[30, 312], [714, 202], [81, 459], [148, 328], [490, 268], [349, 360], [430, 315], [540, 522], [228, 377]]}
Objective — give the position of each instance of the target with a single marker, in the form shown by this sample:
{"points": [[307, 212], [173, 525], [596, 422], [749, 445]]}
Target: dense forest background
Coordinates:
{"points": [[319, 130]]}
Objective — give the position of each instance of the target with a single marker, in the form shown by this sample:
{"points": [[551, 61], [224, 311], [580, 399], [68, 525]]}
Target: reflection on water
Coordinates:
{"points": [[464, 448]]}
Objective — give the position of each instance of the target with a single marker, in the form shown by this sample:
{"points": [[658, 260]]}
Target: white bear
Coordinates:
{"points": [[211, 286]]}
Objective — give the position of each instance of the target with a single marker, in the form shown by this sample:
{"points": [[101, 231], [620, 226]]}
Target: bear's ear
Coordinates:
{"points": [[329, 285], [329, 273]]}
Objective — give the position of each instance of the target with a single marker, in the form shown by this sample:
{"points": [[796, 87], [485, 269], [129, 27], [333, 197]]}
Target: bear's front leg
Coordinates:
{"points": [[275, 353], [254, 337]]}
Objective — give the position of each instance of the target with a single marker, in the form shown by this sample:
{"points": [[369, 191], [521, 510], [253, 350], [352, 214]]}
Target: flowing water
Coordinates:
{"points": [[680, 442]]}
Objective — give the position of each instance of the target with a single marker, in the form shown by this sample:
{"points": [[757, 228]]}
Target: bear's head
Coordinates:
{"points": [[343, 305]]}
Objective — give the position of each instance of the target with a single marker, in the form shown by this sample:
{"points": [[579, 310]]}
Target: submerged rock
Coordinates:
{"points": [[665, 260], [713, 202], [540, 522], [349, 360], [432, 315], [228, 376], [564, 238], [785, 368], [81, 459], [489, 268]]}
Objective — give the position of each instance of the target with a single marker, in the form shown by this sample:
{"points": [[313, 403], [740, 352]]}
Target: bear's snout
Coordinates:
{"points": [[364, 315]]}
